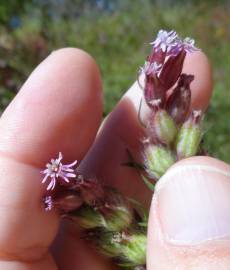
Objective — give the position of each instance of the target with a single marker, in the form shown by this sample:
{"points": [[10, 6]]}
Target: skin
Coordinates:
{"points": [[59, 108]]}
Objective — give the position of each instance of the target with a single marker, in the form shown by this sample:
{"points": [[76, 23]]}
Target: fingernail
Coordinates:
{"points": [[193, 202]]}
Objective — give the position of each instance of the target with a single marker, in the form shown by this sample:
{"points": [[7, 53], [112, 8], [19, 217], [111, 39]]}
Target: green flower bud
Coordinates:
{"points": [[189, 138], [134, 250], [157, 160], [119, 218], [163, 127], [88, 218], [110, 244]]}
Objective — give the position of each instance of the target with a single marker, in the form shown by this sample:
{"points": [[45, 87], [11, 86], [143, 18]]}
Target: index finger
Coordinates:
{"points": [[58, 109]]}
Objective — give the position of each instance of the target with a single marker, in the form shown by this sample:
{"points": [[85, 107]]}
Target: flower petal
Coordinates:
{"points": [[52, 184], [67, 169], [71, 164], [64, 178], [45, 178], [70, 175]]}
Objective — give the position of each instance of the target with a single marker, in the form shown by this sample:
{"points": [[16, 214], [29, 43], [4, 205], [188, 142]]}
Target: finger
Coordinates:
{"points": [[57, 109], [189, 223], [122, 131]]}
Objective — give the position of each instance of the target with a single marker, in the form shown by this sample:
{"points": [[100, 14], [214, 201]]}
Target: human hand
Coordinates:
{"points": [[59, 109]]}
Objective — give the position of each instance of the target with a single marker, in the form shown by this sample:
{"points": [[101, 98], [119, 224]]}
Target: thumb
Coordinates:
{"points": [[189, 224]]}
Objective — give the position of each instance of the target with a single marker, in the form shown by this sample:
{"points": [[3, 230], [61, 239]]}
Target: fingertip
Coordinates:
{"points": [[79, 59], [59, 108], [189, 217]]}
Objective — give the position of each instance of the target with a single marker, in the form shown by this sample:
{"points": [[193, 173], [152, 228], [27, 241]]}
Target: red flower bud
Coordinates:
{"points": [[153, 91], [67, 201], [91, 191], [157, 56], [172, 69], [178, 103]]}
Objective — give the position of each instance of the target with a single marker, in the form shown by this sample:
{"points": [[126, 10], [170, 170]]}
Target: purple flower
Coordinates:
{"points": [[165, 40], [55, 170], [189, 45], [48, 203], [171, 44], [151, 68]]}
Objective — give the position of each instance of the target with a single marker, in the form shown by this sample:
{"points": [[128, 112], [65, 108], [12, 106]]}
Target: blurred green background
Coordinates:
{"points": [[117, 34]]}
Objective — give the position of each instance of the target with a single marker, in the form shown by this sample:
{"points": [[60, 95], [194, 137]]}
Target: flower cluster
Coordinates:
{"points": [[163, 66], [171, 44], [171, 131], [115, 225], [109, 221]]}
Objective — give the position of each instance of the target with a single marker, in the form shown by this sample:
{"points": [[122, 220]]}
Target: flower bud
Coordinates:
{"points": [[157, 160], [68, 201], [88, 218], [157, 56], [134, 250], [108, 243], [178, 103], [91, 190], [172, 69], [153, 90], [189, 137], [116, 211], [162, 127], [119, 218]]}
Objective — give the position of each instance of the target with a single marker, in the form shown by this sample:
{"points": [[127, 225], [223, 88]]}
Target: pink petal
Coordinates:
{"points": [[67, 169], [51, 184], [44, 171], [45, 178], [64, 178], [70, 175], [71, 164], [60, 157]]}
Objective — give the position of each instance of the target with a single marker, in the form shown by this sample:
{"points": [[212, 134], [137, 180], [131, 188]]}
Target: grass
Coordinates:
{"points": [[119, 43]]}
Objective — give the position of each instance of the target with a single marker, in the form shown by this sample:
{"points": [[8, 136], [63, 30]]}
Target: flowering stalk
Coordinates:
{"points": [[173, 129], [116, 225]]}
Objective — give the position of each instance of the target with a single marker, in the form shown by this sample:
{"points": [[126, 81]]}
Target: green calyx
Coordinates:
{"points": [[88, 218], [188, 140], [119, 218], [134, 250], [110, 244], [164, 127], [129, 250], [157, 160]]}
